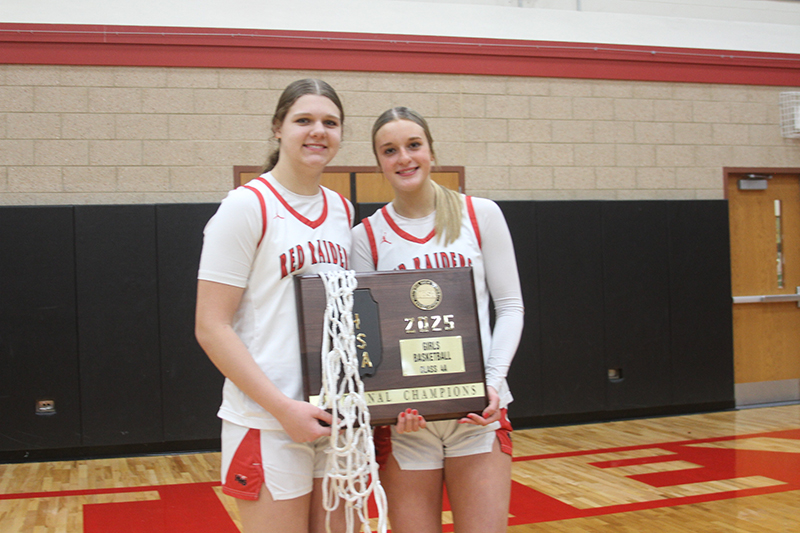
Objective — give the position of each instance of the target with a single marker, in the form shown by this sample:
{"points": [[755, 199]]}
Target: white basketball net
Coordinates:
{"points": [[351, 472]]}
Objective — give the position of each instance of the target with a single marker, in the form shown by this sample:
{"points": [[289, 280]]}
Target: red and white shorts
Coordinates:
{"points": [[427, 448], [255, 457]]}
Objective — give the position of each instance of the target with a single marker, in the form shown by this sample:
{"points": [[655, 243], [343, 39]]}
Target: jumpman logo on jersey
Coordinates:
{"points": [[384, 239], [278, 215]]}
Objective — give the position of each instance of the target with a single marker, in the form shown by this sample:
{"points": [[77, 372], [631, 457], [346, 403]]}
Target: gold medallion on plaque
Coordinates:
{"points": [[426, 294]]}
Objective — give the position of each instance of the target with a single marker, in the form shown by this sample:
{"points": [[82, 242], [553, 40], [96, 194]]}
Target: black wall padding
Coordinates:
{"points": [[366, 210], [192, 386], [569, 240], [639, 287], [117, 286], [38, 339], [97, 313], [636, 303], [524, 376], [700, 300]]}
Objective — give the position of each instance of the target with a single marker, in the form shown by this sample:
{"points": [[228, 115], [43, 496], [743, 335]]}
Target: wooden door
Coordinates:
{"points": [[335, 181], [765, 273], [372, 187], [369, 186]]}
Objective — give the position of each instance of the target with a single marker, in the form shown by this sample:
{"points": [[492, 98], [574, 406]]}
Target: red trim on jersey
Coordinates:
{"points": [[310, 223], [404, 234], [263, 212], [373, 246], [346, 207], [157, 46], [474, 220], [245, 473]]}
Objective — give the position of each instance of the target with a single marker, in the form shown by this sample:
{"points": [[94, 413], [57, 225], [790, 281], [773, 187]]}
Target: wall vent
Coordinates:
{"points": [[790, 114]]}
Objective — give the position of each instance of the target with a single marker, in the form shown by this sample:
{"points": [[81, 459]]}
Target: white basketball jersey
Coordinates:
{"points": [[393, 248], [266, 320]]}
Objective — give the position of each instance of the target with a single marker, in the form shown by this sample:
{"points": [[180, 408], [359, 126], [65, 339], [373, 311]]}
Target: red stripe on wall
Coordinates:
{"points": [[43, 44]]}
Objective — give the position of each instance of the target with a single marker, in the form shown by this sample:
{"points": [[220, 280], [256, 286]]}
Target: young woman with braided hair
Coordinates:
{"points": [[277, 226]]}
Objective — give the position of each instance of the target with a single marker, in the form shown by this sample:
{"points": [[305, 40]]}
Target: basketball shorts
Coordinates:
{"points": [[427, 448], [255, 457]]}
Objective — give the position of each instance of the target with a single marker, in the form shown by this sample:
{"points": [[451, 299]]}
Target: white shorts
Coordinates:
{"points": [[427, 448], [255, 457]]}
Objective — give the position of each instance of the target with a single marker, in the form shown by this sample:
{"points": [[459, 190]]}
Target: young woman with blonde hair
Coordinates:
{"points": [[471, 457]]}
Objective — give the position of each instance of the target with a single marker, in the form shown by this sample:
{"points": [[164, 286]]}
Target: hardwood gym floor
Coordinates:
{"points": [[732, 471]]}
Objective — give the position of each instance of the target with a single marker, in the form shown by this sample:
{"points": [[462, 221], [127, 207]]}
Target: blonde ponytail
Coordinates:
{"points": [[449, 210]]}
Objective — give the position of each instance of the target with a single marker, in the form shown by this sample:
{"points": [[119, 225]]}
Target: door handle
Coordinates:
{"points": [[768, 298]]}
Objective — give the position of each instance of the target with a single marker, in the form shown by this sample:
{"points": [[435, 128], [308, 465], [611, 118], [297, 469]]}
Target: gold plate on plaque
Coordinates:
{"points": [[435, 355]]}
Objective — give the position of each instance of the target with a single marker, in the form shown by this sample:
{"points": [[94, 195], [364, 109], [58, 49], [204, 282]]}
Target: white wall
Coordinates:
{"points": [[745, 25], [769, 11]]}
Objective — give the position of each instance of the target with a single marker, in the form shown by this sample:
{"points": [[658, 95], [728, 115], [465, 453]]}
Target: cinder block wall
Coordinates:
{"points": [[109, 135]]}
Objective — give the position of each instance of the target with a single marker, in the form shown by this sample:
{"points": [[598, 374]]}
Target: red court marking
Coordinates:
{"points": [[195, 507], [186, 508], [716, 464], [124, 517]]}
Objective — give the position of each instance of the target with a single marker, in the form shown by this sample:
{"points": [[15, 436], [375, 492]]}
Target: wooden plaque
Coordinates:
{"points": [[417, 338]]}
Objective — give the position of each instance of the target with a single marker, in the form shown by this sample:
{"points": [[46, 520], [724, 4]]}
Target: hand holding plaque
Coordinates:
{"points": [[417, 338]]}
